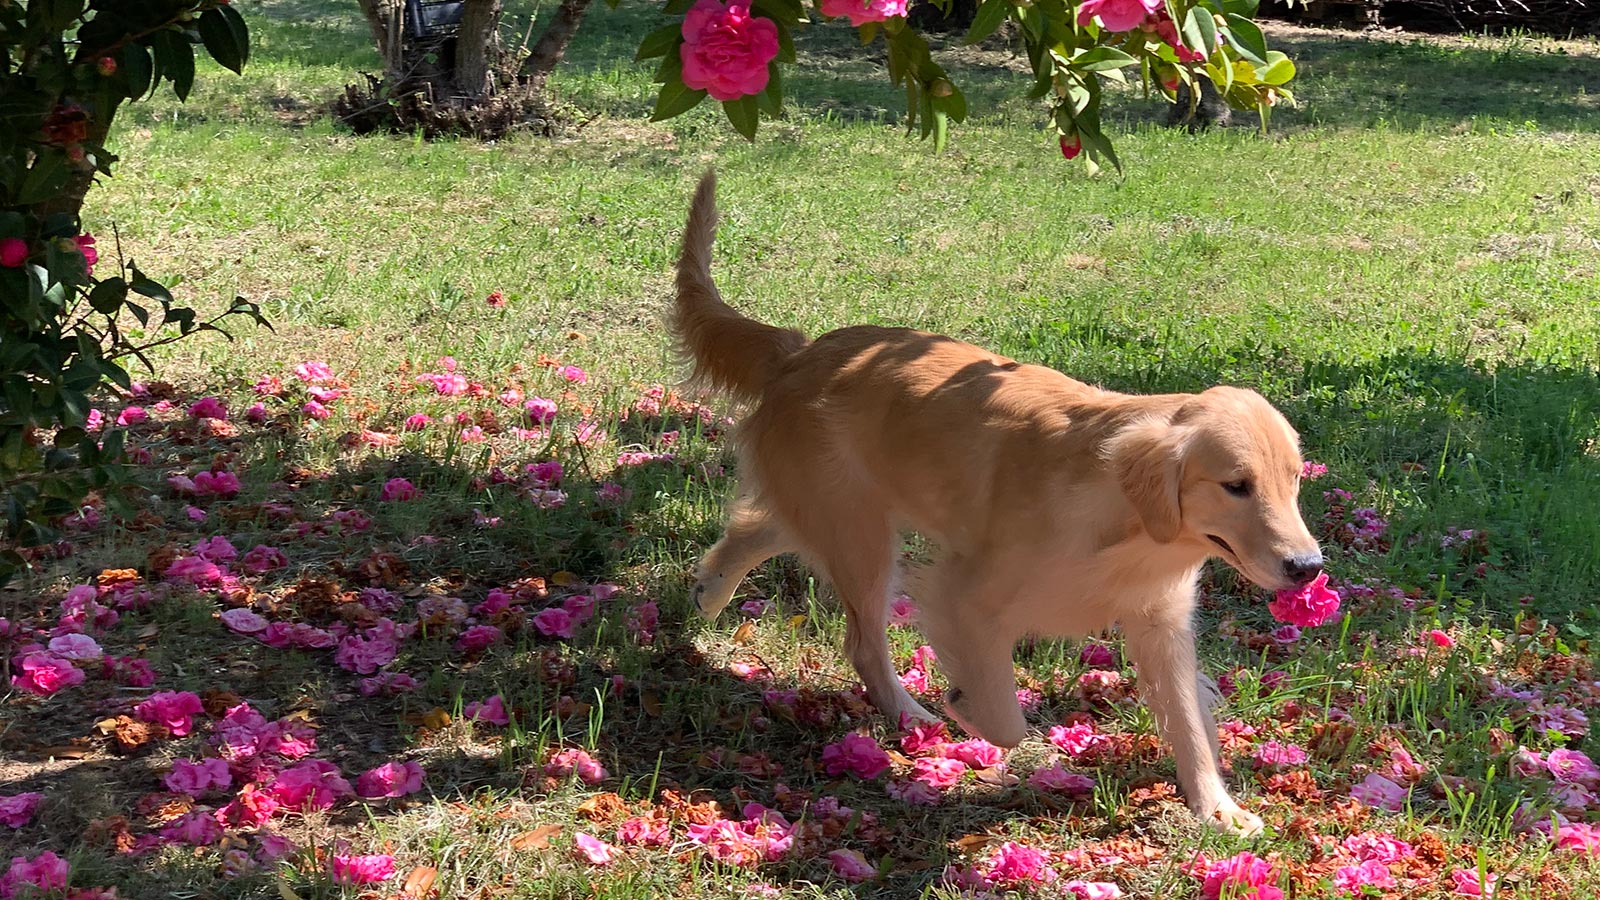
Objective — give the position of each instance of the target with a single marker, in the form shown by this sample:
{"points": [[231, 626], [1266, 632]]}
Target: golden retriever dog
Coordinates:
{"points": [[1057, 509]]}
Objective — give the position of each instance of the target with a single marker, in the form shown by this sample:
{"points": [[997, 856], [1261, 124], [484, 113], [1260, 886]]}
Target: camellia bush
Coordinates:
{"points": [[733, 52], [72, 310]]}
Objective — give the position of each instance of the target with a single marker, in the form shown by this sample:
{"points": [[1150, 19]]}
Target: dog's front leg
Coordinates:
{"points": [[1168, 670]]}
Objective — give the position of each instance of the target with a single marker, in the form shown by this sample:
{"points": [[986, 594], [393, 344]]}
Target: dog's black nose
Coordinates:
{"points": [[1303, 568]]}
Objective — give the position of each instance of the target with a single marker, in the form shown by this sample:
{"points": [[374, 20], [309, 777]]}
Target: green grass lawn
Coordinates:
{"points": [[1406, 265]]}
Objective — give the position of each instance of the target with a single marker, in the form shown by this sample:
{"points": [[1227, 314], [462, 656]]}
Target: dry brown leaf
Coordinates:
{"points": [[419, 882], [745, 632], [651, 703], [564, 578], [537, 839], [603, 808], [148, 632], [997, 776], [436, 719], [797, 621], [972, 842]]}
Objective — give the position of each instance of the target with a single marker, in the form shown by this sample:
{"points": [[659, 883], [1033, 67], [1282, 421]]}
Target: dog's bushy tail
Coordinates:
{"points": [[731, 352]]}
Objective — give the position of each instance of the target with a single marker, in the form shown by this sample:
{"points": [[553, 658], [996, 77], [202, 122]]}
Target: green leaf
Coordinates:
{"points": [[1246, 8], [1101, 59], [771, 99], [677, 7], [53, 15], [174, 57], [70, 436], [744, 115], [956, 104], [1200, 31], [867, 32], [659, 42], [989, 17], [784, 12], [45, 178], [1279, 70], [786, 52], [135, 67], [1247, 39], [108, 296], [152, 289], [675, 99], [226, 37], [941, 129]]}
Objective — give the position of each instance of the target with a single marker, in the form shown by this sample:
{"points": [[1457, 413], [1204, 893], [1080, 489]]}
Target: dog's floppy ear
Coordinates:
{"points": [[1147, 459]]}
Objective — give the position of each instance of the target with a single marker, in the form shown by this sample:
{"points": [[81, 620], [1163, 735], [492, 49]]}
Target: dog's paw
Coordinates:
{"points": [[1001, 726], [711, 595], [1230, 818]]}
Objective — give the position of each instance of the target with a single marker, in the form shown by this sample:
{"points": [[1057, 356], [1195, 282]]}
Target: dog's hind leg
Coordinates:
{"points": [[752, 537], [975, 651], [859, 553]]}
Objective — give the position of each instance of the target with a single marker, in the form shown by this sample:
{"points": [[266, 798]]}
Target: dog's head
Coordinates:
{"points": [[1223, 472]]}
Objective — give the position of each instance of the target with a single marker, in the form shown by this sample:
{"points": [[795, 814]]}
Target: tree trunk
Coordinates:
{"points": [[386, 20], [1211, 110], [552, 45], [477, 49]]}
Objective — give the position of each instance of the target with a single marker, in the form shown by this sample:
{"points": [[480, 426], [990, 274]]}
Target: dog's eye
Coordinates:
{"points": [[1240, 488]]}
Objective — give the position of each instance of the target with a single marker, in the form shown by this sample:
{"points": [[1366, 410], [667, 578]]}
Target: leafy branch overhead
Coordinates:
{"points": [[64, 329], [734, 52]]}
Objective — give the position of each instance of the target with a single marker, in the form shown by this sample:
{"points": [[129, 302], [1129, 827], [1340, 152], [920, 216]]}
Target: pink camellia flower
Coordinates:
{"points": [[573, 761], [1307, 607], [593, 850], [18, 809], [217, 549], [194, 570], [1582, 837], [325, 394], [1311, 471], [573, 373], [313, 371], [196, 778], [1354, 878], [902, 611], [392, 779], [938, 772], [132, 415], [174, 709], [1439, 639], [361, 869], [1117, 15], [909, 790], [1096, 655], [244, 621], [856, 754], [1243, 877], [1013, 865], [416, 422], [387, 683], [1286, 634], [644, 831], [541, 411], [223, 484], [495, 300], [1468, 883], [13, 252], [1566, 766], [492, 711], [1058, 780], [43, 674], [1077, 739], [1380, 792], [398, 490], [851, 866], [726, 49], [1380, 846], [208, 408], [252, 808], [977, 753], [85, 244], [863, 11], [554, 622], [41, 875], [262, 559], [76, 647], [197, 828], [1273, 754], [363, 656], [1091, 890], [479, 638], [312, 784], [924, 738], [315, 410]]}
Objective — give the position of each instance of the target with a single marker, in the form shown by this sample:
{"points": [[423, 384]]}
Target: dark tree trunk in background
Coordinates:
{"points": [[1212, 109], [925, 15], [460, 82], [552, 45]]}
